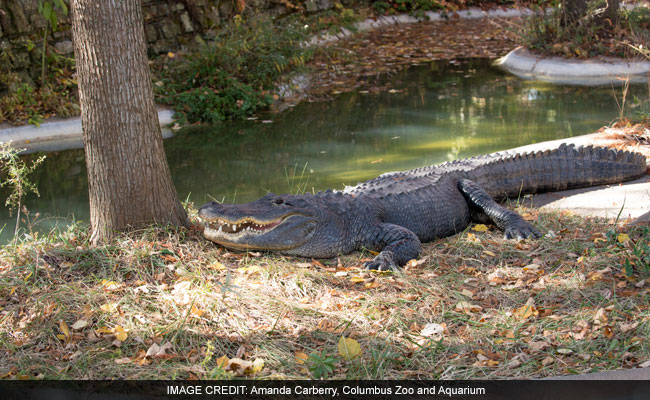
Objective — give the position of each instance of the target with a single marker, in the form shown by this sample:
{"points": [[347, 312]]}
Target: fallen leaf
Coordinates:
{"points": [[527, 310], [197, 312], [432, 329], [152, 350], [238, 366], [102, 330], [538, 346], [120, 333], [108, 307], [467, 307], [64, 328], [548, 360], [257, 366], [600, 317], [628, 327], [222, 361], [300, 357], [216, 265], [608, 332], [349, 348], [622, 237], [109, 286], [82, 323], [158, 351], [480, 228]]}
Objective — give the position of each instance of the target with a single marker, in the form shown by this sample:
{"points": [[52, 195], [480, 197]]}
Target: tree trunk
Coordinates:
{"points": [[574, 10], [129, 181]]}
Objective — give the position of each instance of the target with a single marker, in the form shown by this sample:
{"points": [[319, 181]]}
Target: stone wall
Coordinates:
{"points": [[169, 26]]}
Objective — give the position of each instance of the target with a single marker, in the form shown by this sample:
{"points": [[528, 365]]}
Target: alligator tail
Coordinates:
{"points": [[505, 175]]}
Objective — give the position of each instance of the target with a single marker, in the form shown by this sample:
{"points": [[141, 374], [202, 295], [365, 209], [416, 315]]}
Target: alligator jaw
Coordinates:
{"points": [[226, 228], [249, 233], [238, 234]]}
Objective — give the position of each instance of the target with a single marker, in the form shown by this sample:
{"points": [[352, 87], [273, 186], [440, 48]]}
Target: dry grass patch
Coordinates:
{"points": [[164, 303]]}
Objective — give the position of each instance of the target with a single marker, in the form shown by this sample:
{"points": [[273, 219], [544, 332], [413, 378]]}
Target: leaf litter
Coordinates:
{"points": [[469, 306]]}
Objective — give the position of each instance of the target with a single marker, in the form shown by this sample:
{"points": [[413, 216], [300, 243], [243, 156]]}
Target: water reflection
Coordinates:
{"points": [[425, 115]]}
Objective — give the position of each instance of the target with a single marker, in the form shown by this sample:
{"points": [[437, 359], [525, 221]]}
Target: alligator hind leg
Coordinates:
{"points": [[398, 245], [484, 207]]}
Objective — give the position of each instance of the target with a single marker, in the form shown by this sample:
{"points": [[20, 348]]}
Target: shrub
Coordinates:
{"points": [[233, 75]]}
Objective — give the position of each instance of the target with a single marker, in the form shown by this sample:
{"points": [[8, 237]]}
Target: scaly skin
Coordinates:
{"points": [[395, 212]]}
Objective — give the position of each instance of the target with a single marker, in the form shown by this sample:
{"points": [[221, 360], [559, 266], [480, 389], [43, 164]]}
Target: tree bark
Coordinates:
{"points": [[129, 181], [574, 10]]}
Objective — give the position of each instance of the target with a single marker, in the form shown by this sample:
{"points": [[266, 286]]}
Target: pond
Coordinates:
{"points": [[424, 115]]}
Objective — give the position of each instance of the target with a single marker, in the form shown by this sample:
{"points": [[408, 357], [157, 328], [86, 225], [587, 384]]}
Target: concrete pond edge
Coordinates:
{"points": [[62, 134], [371, 24], [563, 71]]}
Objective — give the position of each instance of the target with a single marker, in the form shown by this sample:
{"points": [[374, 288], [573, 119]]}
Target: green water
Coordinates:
{"points": [[428, 114]]}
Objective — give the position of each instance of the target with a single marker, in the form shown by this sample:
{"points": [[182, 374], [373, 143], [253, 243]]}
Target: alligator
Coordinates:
{"points": [[397, 211]]}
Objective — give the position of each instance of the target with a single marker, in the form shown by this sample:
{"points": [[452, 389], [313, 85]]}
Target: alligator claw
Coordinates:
{"points": [[381, 263], [521, 231]]}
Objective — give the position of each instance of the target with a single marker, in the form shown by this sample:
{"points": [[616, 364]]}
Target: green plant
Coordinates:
{"points": [[232, 76], [321, 365], [552, 29], [47, 9], [641, 252], [17, 172]]}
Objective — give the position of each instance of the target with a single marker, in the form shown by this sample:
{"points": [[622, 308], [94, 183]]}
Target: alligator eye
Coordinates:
{"points": [[278, 201]]}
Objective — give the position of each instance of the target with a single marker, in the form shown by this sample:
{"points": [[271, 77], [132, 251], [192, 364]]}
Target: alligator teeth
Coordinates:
{"points": [[248, 226]]}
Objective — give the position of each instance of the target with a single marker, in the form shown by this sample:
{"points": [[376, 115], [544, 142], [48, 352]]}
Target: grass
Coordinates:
{"points": [[547, 32], [473, 307]]}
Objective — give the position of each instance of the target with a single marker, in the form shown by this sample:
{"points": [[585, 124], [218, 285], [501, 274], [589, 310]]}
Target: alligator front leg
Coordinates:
{"points": [[482, 205], [397, 244]]}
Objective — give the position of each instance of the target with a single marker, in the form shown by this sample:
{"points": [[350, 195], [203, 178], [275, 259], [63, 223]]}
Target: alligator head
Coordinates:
{"points": [[276, 223]]}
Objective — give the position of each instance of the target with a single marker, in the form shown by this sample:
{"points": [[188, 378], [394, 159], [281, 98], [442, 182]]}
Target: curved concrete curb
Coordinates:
{"points": [[371, 24], [558, 70], [62, 134]]}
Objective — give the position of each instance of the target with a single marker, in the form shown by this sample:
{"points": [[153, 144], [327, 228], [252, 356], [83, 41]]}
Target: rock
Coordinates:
{"points": [[163, 46], [64, 47], [324, 4], [150, 33], [225, 8], [213, 17], [185, 21], [170, 29], [311, 6], [21, 60], [17, 15], [37, 21]]}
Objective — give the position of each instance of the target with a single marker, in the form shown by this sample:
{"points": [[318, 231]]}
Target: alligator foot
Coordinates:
{"points": [[520, 230], [484, 207], [398, 245], [383, 262]]}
